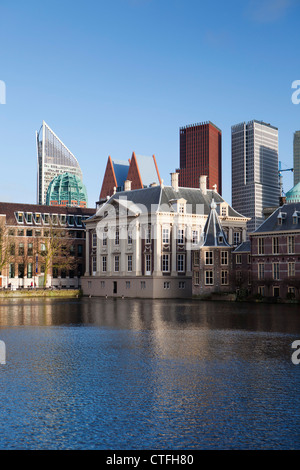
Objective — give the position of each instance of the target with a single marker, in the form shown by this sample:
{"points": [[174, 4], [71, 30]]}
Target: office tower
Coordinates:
{"points": [[254, 170], [53, 159], [296, 157], [200, 154]]}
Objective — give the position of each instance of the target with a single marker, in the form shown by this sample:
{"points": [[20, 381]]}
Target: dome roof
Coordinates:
{"points": [[293, 195], [66, 189]]}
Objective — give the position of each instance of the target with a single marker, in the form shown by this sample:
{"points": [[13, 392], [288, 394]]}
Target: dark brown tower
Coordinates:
{"points": [[200, 154]]}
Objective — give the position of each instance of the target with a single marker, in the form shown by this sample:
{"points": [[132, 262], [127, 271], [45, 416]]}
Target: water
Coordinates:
{"points": [[147, 374]]}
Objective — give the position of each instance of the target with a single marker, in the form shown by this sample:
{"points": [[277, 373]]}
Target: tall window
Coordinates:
{"points": [[129, 263], [224, 257], [165, 263], [276, 271], [166, 236], [291, 244], [291, 269], [180, 236], [94, 264], [196, 258], [224, 278], [11, 270], [148, 264], [94, 240], [236, 238], [180, 263], [275, 245], [195, 237], [104, 264], [29, 270], [148, 235], [196, 278], [209, 278], [261, 246], [30, 249], [117, 263], [208, 257], [104, 239], [129, 237], [261, 271], [21, 249], [117, 237]]}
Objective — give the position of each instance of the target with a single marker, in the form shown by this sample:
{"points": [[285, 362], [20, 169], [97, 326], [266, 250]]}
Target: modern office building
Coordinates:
{"points": [[254, 170], [140, 170], [66, 190], [200, 154], [53, 158], [296, 157]]}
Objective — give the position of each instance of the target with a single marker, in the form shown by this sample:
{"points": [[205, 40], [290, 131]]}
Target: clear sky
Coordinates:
{"points": [[113, 77]]}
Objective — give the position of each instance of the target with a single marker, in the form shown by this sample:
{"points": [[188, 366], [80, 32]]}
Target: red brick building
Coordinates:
{"points": [[275, 254], [141, 171], [200, 154]]}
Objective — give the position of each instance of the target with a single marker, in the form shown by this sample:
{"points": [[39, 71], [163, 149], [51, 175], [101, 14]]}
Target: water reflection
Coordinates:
{"points": [[135, 374]]}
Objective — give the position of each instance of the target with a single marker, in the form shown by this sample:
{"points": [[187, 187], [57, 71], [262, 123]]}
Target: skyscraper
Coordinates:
{"points": [[254, 170], [296, 157], [200, 154], [53, 159]]}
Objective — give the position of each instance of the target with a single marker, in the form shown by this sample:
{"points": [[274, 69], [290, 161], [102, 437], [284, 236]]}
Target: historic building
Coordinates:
{"points": [[141, 171], [200, 153], [212, 260], [140, 242], [275, 254], [26, 232]]}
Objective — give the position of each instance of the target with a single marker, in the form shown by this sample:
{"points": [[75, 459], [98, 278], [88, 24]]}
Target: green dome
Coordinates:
{"points": [[66, 190], [293, 195]]}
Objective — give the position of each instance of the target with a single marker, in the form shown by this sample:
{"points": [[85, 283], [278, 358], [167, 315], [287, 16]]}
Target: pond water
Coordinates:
{"points": [[126, 374]]}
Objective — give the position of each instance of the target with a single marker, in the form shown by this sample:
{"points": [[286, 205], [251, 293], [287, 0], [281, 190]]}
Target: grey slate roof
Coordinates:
{"points": [[159, 197], [121, 170], [285, 213], [243, 247], [213, 232], [147, 170]]}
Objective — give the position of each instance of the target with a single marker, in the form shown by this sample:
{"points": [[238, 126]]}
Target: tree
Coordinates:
{"points": [[5, 247], [55, 251]]}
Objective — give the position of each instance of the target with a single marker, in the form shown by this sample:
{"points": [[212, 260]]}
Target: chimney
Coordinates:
{"points": [[127, 185], [203, 184], [174, 181]]}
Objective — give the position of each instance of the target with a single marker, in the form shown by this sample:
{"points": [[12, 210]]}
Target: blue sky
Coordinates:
{"points": [[113, 77]]}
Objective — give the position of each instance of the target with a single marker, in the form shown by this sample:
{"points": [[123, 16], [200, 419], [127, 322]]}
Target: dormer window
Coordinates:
{"points": [[29, 217], [221, 239], [295, 217], [181, 208], [280, 217], [20, 217], [37, 218]]}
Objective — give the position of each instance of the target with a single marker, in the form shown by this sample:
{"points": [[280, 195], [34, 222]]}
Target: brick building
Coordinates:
{"points": [[25, 229], [275, 254]]}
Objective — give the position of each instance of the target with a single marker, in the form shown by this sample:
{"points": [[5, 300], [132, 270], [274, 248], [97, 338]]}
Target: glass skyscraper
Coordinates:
{"points": [[255, 183], [296, 157], [54, 158]]}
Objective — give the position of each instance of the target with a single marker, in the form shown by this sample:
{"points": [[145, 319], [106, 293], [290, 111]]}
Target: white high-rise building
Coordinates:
{"points": [[53, 159], [296, 157], [255, 182]]}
